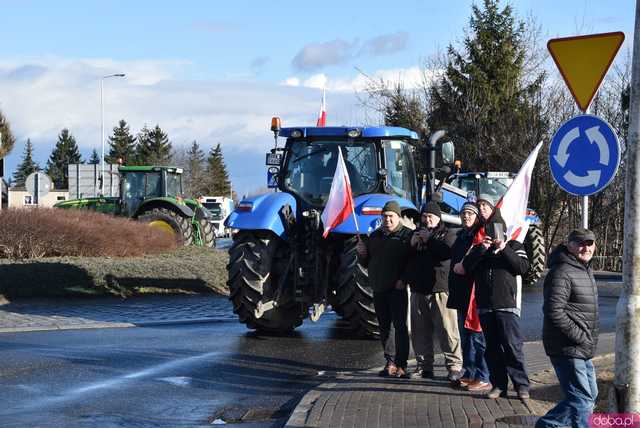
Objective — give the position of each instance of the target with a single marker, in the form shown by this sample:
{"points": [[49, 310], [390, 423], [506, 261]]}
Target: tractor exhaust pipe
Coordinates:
{"points": [[431, 161]]}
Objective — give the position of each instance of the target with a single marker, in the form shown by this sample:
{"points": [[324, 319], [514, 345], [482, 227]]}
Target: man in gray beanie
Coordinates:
{"points": [[570, 328], [428, 276]]}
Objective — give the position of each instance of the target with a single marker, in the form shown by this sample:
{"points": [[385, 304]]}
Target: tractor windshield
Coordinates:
{"points": [[401, 177], [495, 187], [215, 208], [311, 165], [174, 184]]}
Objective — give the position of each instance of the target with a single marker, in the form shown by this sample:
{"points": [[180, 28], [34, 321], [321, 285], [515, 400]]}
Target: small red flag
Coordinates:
{"points": [[322, 117]]}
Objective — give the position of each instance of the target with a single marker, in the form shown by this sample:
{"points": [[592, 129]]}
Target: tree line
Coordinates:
{"points": [[494, 97], [204, 174]]}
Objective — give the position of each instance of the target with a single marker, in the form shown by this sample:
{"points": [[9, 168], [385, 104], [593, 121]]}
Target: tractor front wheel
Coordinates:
{"points": [[169, 221], [207, 233], [257, 263], [536, 253], [353, 300]]}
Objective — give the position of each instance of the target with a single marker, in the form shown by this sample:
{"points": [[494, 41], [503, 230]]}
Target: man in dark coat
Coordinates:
{"points": [[385, 254], [570, 329], [428, 276], [495, 265], [476, 372]]}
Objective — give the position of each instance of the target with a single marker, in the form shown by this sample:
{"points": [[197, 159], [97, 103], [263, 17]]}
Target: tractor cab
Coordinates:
{"points": [[140, 183], [490, 183], [378, 160]]}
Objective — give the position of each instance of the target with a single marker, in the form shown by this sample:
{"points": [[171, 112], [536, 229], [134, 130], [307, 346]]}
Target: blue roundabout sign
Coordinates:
{"points": [[584, 155]]}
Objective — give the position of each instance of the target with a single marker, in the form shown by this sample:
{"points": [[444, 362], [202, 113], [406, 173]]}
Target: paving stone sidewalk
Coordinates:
{"points": [[362, 399], [108, 312]]}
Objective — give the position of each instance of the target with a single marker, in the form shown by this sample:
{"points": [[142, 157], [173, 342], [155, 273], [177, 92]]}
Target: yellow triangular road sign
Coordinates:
{"points": [[583, 61]]}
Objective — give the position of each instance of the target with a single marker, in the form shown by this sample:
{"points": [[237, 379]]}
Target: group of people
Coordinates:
{"points": [[466, 292]]}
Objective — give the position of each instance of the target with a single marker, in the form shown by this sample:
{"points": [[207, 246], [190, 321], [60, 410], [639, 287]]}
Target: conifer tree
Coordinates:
{"points": [[195, 171], [95, 158], [64, 153], [154, 147], [122, 145], [27, 166], [217, 178], [489, 105]]}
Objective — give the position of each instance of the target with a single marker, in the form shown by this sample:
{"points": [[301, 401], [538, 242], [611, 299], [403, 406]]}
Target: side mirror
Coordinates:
{"points": [[448, 153]]}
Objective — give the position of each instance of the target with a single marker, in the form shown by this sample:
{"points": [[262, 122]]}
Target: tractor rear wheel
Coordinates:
{"points": [[257, 262], [536, 253], [207, 234], [169, 221], [354, 297]]}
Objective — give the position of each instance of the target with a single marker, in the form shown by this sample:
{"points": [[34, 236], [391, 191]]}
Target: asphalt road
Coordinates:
{"points": [[186, 375]]}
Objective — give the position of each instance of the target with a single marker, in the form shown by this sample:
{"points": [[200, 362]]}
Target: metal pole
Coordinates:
{"points": [[625, 396], [102, 134], [585, 199]]}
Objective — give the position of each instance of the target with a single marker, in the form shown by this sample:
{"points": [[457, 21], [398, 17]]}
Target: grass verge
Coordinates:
{"points": [[186, 270]]}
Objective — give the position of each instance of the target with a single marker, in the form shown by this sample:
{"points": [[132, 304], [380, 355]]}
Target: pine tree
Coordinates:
{"points": [[154, 147], [7, 140], [490, 107], [26, 167], [217, 178], [195, 171], [122, 145], [95, 159], [64, 153]]}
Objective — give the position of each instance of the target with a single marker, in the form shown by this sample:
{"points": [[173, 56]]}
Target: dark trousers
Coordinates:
{"points": [[391, 308], [473, 349], [504, 354]]}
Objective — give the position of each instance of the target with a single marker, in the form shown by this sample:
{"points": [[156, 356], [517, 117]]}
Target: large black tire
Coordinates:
{"points": [[169, 220], [257, 261], [536, 253], [207, 234], [353, 300]]}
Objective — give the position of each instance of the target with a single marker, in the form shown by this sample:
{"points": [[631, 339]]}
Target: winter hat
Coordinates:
{"points": [[580, 235], [432, 208], [392, 206], [470, 206], [486, 198]]}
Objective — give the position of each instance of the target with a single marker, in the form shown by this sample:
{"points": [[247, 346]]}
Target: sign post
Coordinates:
{"points": [[583, 62]]}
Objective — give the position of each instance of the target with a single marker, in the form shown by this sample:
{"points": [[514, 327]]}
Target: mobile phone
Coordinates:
{"points": [[496, 231]]}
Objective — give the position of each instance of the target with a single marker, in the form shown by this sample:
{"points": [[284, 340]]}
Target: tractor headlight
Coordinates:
{"points": [[296, 133]]}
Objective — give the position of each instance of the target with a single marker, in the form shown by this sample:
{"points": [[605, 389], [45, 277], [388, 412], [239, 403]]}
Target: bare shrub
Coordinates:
{"points": [[50, 232]]}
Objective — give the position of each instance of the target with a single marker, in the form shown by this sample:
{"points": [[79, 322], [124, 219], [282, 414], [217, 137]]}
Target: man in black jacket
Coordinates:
{"points": [[385, 255], [570, 328], [427, 275], [495, 265]]}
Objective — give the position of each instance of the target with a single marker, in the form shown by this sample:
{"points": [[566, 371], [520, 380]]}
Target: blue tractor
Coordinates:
{"points": [[280, 267]]}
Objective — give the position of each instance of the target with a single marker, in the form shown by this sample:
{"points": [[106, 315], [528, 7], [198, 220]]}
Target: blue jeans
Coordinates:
{"points": [[578, 381], [473, 346]]}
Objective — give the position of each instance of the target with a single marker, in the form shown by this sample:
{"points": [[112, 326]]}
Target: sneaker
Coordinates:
{"points": [[389, 370], [402, 373], [417, 373], [479, 386], [495, 393], [454, 376], [523, 393]]}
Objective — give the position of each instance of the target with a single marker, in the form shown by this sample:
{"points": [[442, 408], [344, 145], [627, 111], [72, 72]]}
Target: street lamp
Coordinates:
{"points": [[102, 124]]}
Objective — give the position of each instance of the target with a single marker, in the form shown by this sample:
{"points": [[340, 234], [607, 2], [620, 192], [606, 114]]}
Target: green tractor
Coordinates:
{"points": [[152, 194]]}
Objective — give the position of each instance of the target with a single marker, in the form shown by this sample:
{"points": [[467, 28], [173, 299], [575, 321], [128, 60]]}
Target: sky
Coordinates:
{"points": [[216, 72]]}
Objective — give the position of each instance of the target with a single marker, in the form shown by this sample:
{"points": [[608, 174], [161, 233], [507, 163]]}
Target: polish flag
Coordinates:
{"points": [[322, 117], [513, 208], [513, 205], [340, 202]]}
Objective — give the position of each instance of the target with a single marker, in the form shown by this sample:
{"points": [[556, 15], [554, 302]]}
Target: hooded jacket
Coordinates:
{"points": [[571, 321], [428, 267]]}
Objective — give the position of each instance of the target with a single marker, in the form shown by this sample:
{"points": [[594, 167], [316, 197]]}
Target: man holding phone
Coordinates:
{"points": [[495, 264]]}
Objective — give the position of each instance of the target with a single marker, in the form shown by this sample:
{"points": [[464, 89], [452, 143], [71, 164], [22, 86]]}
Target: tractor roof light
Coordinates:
{"points": [[353, 133], [276, 124], [296, 133]]}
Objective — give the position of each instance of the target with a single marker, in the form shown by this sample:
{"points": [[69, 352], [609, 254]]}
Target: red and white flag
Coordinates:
{"points": [[513, 208], [322, 117], [340, 202], [513, 205]]}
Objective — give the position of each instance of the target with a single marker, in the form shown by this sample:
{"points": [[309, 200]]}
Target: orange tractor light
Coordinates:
{"points": [[275, 124]]}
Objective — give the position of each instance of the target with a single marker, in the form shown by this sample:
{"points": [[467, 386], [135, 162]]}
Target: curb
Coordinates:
{"points": [[96, 325]]}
